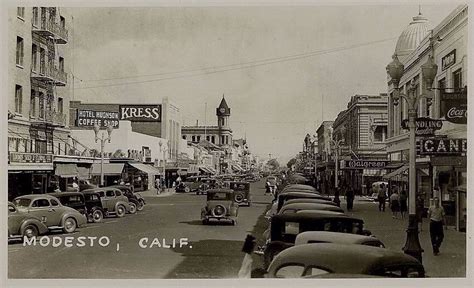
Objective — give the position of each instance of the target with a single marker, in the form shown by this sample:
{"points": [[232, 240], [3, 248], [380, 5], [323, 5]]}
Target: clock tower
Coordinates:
{"points": [[223, 113]]}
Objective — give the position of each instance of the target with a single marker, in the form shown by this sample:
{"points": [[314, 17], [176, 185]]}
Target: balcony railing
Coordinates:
{"points": [[50, 74], [51, 117], [51, 29]]}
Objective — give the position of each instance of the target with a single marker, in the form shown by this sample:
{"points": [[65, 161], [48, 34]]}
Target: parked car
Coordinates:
{"points": [[272, 182], [241, 192], [309, 237], [190, 184], [207, 183], [294, 207], [74, 200], [310, 200], [95, 210], [310, 260], [283, 197], [285, 227], [21, 224], [113, 201], [51, 212], [299, 187], [220, 205], [134, 198]]}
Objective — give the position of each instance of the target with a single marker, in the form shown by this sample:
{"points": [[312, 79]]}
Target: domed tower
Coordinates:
{"points": [[412, 36], [223, 113]]}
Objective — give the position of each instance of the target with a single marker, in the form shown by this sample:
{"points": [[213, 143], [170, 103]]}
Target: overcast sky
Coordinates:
{"points": [[194, 55]]}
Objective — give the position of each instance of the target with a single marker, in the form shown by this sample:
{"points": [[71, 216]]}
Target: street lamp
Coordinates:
{"points": [[337, 144], [102, 139], [163, 150], [428, 70]]}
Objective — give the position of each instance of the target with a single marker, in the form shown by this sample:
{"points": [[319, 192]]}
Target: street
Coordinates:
{"points": [[214, 251]]}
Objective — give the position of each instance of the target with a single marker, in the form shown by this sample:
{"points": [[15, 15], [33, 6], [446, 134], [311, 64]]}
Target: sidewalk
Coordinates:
{"points": [[451, 262], [153, 193]]}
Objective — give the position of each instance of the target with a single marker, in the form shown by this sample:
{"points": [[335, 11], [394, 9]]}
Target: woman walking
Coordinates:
{"points": [[395, 204], [403, 204]]}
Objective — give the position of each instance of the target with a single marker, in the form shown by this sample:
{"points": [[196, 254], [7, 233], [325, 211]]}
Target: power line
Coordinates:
{"points": [[246, 65]]}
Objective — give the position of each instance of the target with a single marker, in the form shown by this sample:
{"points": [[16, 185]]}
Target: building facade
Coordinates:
{"points": [[38, 103], [437, 166], [324, 161], [220, 135]]}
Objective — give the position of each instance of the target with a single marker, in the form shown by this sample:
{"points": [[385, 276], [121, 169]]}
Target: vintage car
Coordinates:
{"points": [[72, 199], [190, 184], [311, 260], [309, 237], [283, 197], [272, 183], [299, 187], [95, 210], [294, 207], [220, 205], [207, 183], [113, 201], [241, 192], [51, 212], [134, 198], [310, 200], [22, 224], [285, 227]]}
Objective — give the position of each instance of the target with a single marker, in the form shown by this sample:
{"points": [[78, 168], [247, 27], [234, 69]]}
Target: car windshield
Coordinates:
{"points": [[218, 196], [22, 202]]}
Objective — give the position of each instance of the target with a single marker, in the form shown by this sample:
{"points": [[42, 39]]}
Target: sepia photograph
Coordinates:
{"points": [[241, 141]]}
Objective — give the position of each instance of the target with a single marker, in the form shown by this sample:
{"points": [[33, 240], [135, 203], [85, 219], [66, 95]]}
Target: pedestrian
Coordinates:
{"points": [[420, 206], [395, 204], [436, 214], [349, 198], [158, 186], [382, 197], [267, 187], [403, 203], [75, 185], [336, 197]]}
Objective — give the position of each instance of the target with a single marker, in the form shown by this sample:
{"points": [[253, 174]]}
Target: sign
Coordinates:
{"points": [[453, 106], [140, 113], [88, 118], [146, 154], [448, 60], [19, 157], [424, 126], [443, 146], [365, 164]]}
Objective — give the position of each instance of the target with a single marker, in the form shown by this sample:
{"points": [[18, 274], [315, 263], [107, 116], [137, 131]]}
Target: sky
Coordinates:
{"points": [[283, 70]]}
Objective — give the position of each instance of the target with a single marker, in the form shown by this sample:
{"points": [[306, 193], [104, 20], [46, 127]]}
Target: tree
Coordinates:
{"points": [[273, 163], [291, 163]]}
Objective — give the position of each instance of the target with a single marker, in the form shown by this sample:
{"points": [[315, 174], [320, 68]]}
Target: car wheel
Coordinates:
{"points": [[121, 211], [140, 205], [97, 216], [133, 208], [187, 189], [70, 225], [30, 231], [234, 222]]}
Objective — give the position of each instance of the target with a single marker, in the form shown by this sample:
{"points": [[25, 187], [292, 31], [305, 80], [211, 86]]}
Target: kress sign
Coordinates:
{"points": [[140, 113]]}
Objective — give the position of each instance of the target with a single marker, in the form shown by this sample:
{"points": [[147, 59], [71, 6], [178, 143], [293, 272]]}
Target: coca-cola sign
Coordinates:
{"points": [[453, 106]]}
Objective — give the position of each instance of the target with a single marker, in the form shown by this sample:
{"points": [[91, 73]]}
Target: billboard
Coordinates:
{"points": [[88, 118], [140, 113]]}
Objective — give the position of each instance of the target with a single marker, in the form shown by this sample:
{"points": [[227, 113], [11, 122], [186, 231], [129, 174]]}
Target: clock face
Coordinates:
{"points": [[222, 110]]}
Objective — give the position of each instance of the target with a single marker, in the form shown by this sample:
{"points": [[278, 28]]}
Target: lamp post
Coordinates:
{"points": [[428, 70], [337, 143], [102, 140], [163, 150]]}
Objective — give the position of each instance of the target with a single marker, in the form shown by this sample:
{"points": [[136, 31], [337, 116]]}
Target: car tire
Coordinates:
{"points": [[70, 225], [30, 231], [187, 189], [205, 221], [133, 208], [97, 216], [234, 222], [140, 205], [121, 211]]}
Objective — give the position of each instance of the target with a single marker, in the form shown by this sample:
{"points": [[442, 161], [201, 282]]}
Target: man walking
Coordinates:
{"points": [[349, 198], [436, 214], [382, 197]]}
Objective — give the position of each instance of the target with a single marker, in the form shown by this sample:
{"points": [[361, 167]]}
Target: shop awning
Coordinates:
{"points": [[66, 170], [109, 168], [84, 173], [207, 169], [396, 172], [148, 169]]}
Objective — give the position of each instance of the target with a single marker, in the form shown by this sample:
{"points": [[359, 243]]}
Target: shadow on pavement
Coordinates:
{"points": [[208, 259], [210, 223]]}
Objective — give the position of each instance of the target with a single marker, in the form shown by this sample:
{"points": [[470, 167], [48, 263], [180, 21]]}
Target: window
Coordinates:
{"points": [[18, 98], [54, 202], [61, 64], [198, 138], [40, 203], [33, 103], [19, 51], [442, 84], [20, 12], [60, 105], [62, 21], [290, 271], [35, 16], [457, 79], [379, 133], [110, 193], [42, 61], [208, 138], [213, 139], [41, 105], [101, 193], [34, 56], [184, 137], [193, 138], [118, 193]]}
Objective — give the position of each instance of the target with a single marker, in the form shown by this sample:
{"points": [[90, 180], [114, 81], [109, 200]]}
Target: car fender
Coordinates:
{"points": [[42, 229], [127, 206], [272, 249], [80, 219]]}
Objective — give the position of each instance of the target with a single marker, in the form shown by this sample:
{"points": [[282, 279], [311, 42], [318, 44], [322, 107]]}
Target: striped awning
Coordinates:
{"points": [[66, 170], [109, 168]]}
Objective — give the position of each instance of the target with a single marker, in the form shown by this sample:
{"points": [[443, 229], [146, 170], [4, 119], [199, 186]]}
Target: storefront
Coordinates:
{"points": [[113, 173]]}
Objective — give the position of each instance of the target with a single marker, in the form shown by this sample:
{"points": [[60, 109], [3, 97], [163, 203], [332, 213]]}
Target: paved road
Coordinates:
{"points": [[213, 250]]}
